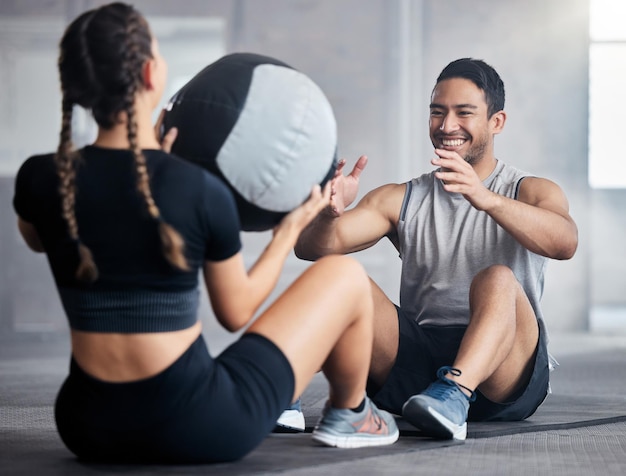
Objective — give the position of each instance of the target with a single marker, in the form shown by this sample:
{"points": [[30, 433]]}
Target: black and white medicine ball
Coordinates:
{"points": [[263, 127]]}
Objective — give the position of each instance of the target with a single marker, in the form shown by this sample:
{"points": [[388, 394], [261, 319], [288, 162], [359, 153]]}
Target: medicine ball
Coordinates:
{"points": [[263, 127]]}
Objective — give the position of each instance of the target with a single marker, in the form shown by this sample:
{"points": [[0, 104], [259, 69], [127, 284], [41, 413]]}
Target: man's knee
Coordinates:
{"points": [[497, 273], [493, 278]]}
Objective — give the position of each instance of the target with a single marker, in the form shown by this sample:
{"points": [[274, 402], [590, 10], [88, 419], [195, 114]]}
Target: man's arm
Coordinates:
{"points": [[375, 217], [539, 219]]}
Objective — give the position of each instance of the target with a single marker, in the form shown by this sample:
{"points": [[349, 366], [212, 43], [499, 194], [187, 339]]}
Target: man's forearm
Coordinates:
{"points": [[540, 230], [317, 239]]}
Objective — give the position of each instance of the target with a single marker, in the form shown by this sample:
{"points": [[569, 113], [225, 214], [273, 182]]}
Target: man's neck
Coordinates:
{"points": [[485, 166]]}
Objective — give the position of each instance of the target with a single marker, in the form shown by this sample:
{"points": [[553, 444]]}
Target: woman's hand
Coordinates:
{"points": [[237, 294], [299, 218], [168, 138]]}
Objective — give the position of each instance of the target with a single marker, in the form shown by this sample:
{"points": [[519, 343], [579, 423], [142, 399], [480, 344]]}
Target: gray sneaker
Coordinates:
{"points": [[344, 428], [441, 410]]}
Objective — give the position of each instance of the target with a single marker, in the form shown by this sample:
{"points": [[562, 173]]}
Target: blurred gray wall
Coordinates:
{"points": [[377, 61]]}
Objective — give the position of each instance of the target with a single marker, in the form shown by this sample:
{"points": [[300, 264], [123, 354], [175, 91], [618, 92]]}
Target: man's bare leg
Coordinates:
{"points": [[496, 353]]}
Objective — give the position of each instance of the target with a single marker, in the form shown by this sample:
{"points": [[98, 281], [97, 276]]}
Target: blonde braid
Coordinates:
{"points": [[65, 159]]}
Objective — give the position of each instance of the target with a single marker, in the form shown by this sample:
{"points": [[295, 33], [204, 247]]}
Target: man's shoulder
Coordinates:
{"points": [[506, 179], [510, 172], [386, 198], [420, 184], [426, 177]]}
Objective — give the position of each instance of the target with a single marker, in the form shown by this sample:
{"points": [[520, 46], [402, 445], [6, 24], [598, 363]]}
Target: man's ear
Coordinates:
{"points": [[497, 122]]}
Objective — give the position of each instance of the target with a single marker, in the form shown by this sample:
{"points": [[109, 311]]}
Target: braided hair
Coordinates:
{"points": [[102, 54]]}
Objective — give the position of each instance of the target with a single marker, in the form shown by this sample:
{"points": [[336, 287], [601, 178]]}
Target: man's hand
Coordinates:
{"points": [[345, 187], [460, 177], [168, 138]]}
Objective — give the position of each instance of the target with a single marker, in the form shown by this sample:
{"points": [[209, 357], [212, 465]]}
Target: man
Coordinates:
{"points": [[474, 237]]}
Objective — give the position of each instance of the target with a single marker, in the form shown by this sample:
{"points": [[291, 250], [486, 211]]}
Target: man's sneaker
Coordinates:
{"points": [[441, 410], [291, 420], [344, 428]]}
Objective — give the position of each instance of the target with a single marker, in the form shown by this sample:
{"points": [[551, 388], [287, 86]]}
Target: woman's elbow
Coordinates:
{"points": [[30, 236], [233, 320]]}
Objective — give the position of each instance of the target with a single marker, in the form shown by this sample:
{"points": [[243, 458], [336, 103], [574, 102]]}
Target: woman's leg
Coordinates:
{"points": [[325, 320]]}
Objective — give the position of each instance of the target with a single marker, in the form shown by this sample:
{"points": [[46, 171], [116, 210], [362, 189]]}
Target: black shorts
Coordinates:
{"points": [[424, 349], [198, 410]]}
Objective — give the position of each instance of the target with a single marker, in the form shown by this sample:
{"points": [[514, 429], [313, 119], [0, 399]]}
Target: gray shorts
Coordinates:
{"points": [[424, 349]]}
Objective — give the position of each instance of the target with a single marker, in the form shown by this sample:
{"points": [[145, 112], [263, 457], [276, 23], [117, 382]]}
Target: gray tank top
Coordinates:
{"points": [[444, 242]]}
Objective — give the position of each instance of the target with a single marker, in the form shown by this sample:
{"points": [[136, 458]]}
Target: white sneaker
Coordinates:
{"points": [[291, 420]]}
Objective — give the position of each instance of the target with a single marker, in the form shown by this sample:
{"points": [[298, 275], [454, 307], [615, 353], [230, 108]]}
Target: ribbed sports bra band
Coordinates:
{"points": [[130, 311]]}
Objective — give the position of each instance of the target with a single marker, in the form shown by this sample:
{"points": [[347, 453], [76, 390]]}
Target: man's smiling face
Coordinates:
{"points": [[458, 119]]}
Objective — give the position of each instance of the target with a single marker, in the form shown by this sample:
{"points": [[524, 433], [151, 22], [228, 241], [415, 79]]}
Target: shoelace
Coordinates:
{"points": [[441, 391], [373, 423], [377, 418]]}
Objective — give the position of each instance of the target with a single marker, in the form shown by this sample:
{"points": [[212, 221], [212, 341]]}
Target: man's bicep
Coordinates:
{"points": [[543, 193], [363, 226]]}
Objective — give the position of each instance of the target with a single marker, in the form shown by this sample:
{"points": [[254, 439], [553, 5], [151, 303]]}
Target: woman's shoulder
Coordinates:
{"points": [[183, 173], [172, 163], [37, 163], [36, 184], [37, 171]]}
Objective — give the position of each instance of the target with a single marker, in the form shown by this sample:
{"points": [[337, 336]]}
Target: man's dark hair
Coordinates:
{"points": [[483, 76]]}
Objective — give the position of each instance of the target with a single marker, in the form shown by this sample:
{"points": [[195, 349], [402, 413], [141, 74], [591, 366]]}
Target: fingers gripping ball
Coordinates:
{"points": [[266, 129]]}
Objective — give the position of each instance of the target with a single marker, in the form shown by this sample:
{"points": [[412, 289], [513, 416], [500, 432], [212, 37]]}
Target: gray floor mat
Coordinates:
{"points": [[557, 412], [589, 391]]}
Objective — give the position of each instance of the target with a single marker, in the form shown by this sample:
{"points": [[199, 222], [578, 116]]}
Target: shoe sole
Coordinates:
{"points": [[431, 422], [354, 441]]}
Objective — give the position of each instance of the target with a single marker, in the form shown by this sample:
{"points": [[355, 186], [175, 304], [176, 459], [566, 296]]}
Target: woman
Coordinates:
{"points": [[126, 228]]}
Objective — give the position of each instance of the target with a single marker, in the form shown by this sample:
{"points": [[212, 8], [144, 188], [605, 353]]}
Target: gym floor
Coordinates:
{"points": [[579, 430]]}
